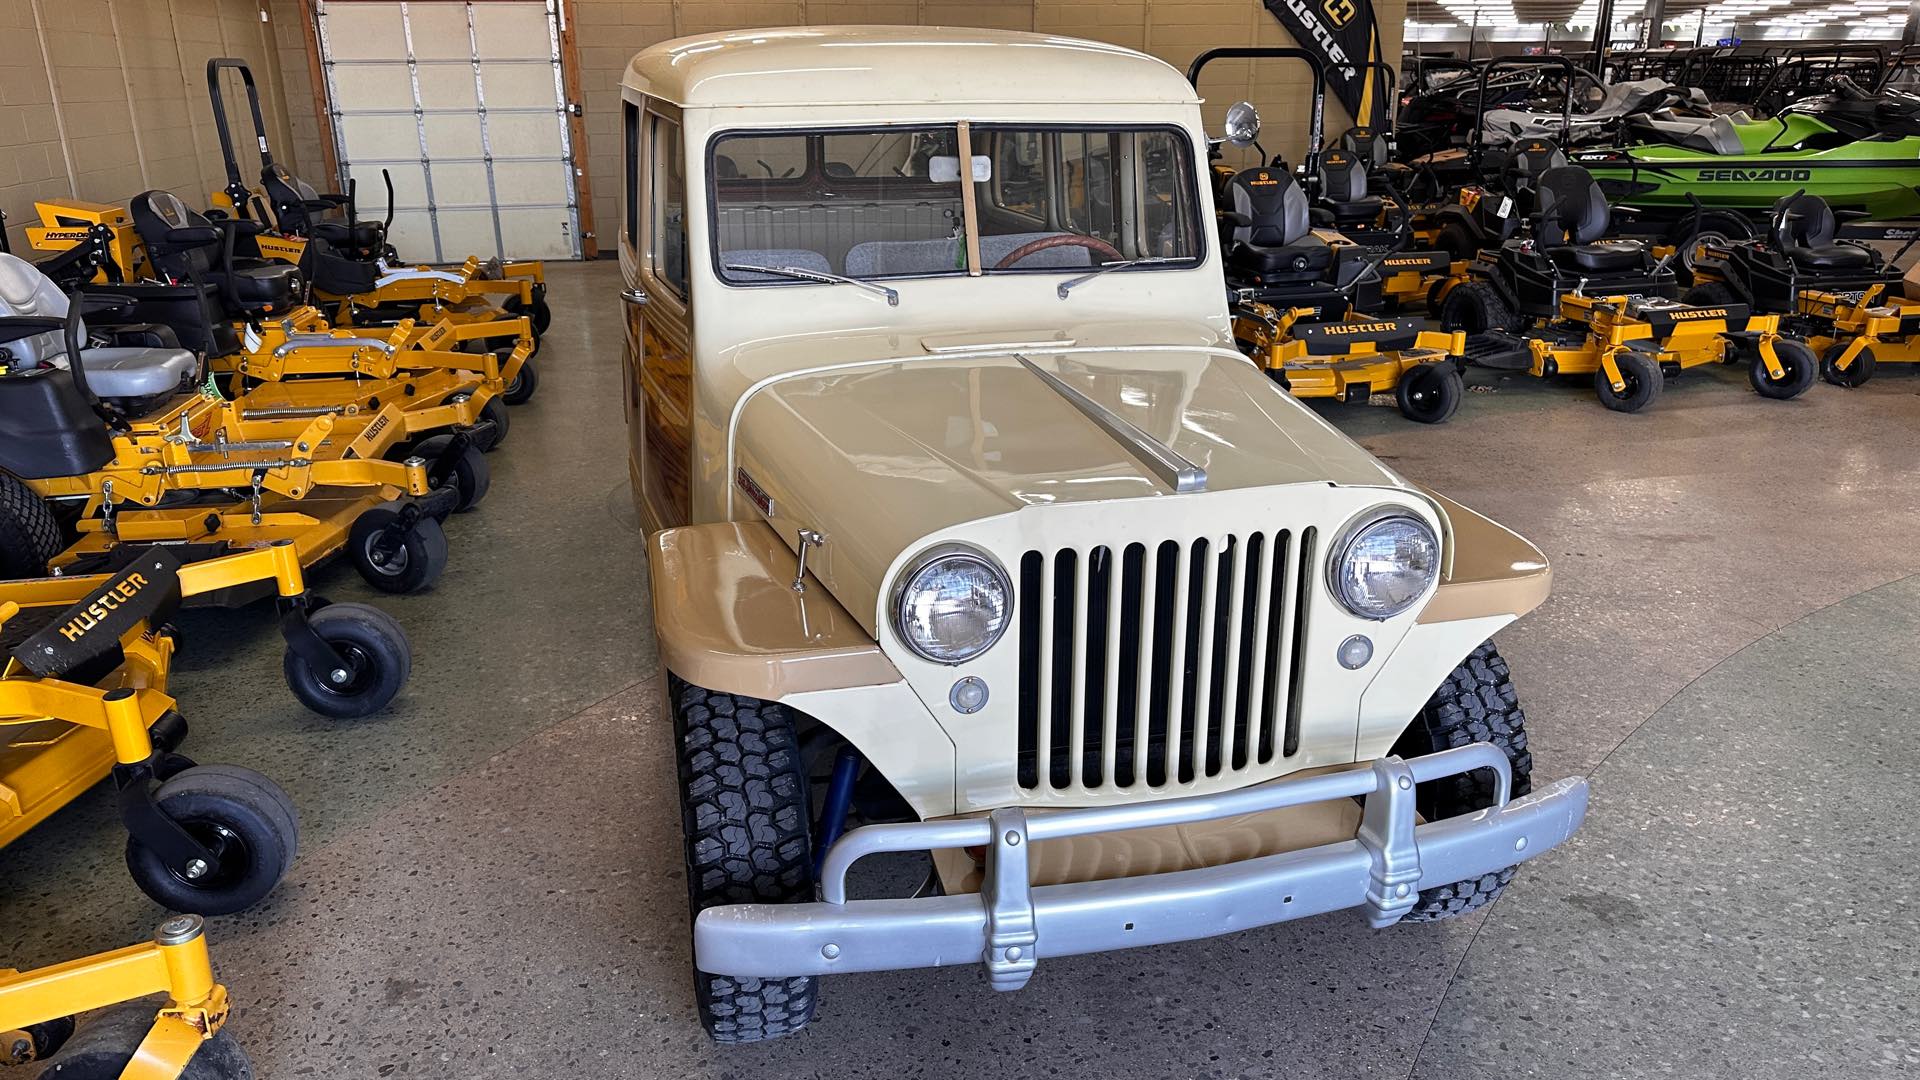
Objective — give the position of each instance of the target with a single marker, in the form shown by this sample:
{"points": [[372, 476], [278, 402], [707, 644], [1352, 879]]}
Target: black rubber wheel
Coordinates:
{"points": [[1430, 393], [1722, 229], [392, 559], [745, 809], [1799, 367], [1457, 241], [1476, 704], [379, 660], [105, 1044], [471, 475], [29, 536], [1857, 373], [42, 1041], [495, 410], [1477, 307], [1710, 294], [239, 812], [542, 315], [1644, 383], [525, 382]]}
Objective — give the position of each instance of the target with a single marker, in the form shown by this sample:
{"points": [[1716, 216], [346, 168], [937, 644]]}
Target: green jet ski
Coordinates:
{"points": [[1859, 151]]}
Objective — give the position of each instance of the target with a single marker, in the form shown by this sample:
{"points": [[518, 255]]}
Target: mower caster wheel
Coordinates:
{"points": [[240, 815], [1644, 383], [42, 1041], [1798, 364], [471, 476], [394, 558], [106, 1044], [542, 316], [1857, 373], [378, 661], [495, 410], [525, 382], [1430, 393]]}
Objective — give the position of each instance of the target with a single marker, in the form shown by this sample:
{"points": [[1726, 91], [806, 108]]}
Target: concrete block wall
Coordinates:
{"points": [[103, 99], [611, 31]]}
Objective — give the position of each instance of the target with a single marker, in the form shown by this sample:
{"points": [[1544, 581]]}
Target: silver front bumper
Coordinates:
{"points": [[1010, 925]]}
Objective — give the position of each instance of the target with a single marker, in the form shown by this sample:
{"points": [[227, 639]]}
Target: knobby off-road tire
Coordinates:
{"points": [[746, 813], [1476, 704]]}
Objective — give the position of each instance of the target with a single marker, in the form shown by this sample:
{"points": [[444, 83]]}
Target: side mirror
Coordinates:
{"points": [[1243, 123]]}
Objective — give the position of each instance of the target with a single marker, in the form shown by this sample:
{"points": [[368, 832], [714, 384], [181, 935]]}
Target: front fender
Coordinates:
{"points": [[727, 618]]}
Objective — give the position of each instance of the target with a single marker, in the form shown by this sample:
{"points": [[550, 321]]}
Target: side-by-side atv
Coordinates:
{"points": [[1560, 300], [1846, 300]]}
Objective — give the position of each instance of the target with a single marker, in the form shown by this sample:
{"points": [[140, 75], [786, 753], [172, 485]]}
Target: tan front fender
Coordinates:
{"points": [[728, 619]]}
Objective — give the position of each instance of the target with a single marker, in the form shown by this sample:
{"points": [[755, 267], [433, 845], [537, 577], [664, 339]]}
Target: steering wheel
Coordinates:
{"points": [[1045, 243], [1847, 88]]}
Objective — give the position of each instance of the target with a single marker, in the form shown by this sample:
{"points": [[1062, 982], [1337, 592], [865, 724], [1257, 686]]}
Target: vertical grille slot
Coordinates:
{"points": [[1160, 663]]}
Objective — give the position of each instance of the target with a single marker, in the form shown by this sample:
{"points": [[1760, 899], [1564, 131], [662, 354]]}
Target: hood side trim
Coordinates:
{"points": [[1174, 469]]}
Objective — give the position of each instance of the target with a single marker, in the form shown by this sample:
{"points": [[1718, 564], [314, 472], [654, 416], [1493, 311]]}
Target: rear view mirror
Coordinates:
{"points": [[1243, 123]]}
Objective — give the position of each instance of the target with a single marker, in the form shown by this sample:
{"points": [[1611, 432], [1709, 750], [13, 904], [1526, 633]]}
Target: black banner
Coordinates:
{"points": [[1343, 33]]}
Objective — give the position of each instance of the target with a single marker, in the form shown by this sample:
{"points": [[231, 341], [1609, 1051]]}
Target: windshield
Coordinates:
{"points": [[893, 202]]}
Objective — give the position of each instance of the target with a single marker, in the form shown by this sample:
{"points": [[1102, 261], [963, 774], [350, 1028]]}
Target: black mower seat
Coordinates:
{"points": [[361, 234], [259, 281], [1600, 258], [1831, 257], [1277, 237], [1345, 189]]}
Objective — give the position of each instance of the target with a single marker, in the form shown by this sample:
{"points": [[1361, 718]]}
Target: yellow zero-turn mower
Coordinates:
{"points": [[118, 431], [354, 269], [1848, 301], [83, 697], [249, 317], [1291, 289], [183, 1039], [1558, 300]]}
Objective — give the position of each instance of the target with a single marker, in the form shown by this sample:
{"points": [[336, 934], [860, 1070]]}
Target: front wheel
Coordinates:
{"points": [[1855, 374], [1798, 370], [747, 816], [240, 815], [1476, 704], [1643, 378], [1430, 393], [376, 661], [525, 382], [393, 557], [105, 1046], [1710, 294], [469, 473]]}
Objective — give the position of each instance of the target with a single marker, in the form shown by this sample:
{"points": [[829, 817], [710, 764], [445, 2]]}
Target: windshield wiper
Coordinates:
{"points": [[1066, 287], [802, 274]]}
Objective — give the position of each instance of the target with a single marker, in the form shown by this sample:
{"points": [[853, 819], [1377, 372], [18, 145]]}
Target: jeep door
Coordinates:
{"points": [[658, 375]]}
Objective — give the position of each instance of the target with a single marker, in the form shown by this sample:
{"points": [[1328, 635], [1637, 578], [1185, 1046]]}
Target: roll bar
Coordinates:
{"points": [[1474, 140], [236, 189], [1316, 125]]}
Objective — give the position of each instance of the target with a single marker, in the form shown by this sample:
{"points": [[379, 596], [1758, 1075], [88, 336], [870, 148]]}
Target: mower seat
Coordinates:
{"points": [[264, 283], [298, 209], [1344, 189], [1600, 258], [112, 372], [1571, 217], [1804, 228], [185, 246], [360, 234], [1278, 235]]}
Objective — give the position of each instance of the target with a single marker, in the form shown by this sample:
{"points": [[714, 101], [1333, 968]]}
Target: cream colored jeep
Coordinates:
{"points": [[973, 535]]}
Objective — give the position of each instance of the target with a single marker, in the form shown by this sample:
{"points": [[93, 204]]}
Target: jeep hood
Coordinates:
{"points": [[877, 457]]}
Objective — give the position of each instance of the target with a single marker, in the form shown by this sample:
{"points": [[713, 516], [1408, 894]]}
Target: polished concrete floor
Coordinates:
{"points": [[490, 880]]}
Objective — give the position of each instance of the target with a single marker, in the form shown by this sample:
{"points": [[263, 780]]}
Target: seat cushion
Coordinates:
{"points": [[1311, 255], [135, 372], [1601, 258], [360, 234], [1366, 209], [269, 284], [1831, 257]]}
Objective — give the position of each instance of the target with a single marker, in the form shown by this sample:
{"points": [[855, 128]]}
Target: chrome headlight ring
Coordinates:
{"points": [[951, 603], [1401, 553]]}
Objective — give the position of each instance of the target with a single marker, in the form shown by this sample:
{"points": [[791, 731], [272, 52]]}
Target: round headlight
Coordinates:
{"points": [[1383, 564], [952, 604]]}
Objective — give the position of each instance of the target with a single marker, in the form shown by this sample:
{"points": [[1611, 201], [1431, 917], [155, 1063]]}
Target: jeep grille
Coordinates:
{"points": [[1150, 665]]}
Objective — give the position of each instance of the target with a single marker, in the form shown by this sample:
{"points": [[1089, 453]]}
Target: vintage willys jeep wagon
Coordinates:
{"points": [[967, 520]]}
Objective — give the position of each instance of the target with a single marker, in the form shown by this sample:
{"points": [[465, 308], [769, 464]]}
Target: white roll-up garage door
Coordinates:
{"points": [[463, 104]]}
